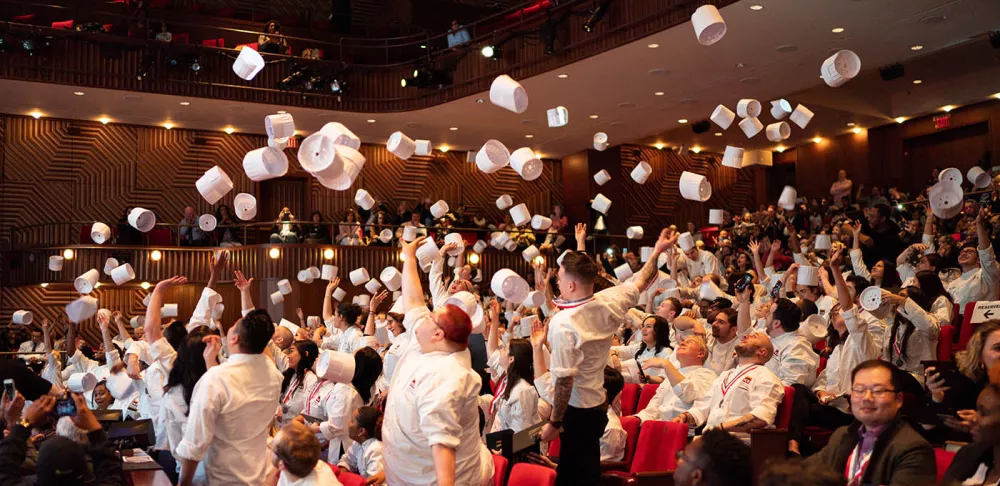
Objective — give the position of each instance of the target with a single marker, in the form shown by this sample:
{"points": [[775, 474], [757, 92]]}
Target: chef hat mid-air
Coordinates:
{"points": [[248, 64], [373, 286], [85, 283], [733, 157], [392, 279], [319, 156], [214, 184], [695, 187], [329, 272], [641, 172], [526, 163], [801, 116], [787, 198], [55, 263], [951, 175], [634, 232], [723, 116], [245, 206], [508, 94], [207, 222], [339, 294], [122, 274], [504, 202], [265, 163], [602, 177], [751, 126], [400, 145], [601, 204], [81, 309], [508, 285], [557, 117], [492, 157], [439, 209], [341, 135], [137, 322], [459, 242], [22, 317], [823, 242], [600, 141], [427, 252], [758, 157], [141, 219], [423, 148], [353, 163], [778, 131], [540, 222], [279, 127], [840, 68], [363, 199], [715, 216], [946, 199], [530, 253], [100, 233], [386, 235], [359, 276], [479, 247], [978, 177], [623, 272], [780, 109], [708, 25], [284, 286], [748, 107], [520, 214], [109, 265]]}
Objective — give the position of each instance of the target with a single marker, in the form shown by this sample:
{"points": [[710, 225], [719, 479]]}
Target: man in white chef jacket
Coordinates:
{"points": [[794, 360], [231, 409], [683, 386], [580, 336], [430, 433]]}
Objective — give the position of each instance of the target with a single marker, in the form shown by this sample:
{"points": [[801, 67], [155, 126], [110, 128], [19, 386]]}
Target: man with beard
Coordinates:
{"points": [[745, 397]]}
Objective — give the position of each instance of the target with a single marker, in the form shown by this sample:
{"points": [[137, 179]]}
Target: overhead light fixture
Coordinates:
{"points": [[996, 95], [97, 285], [817, 139], [188, 103], [43, 284], [195, 66], [658, 93], [539, 260], [274, 253], [145, 285], [371, 120], [696, 149], [104, 120], [658, 145], [328, 253], [487, 51], [947, 108], [492, 52], [282, 112], [856, 130], [682, 121], [718, 134], [229, 130], [68, 254], [36, 114], [756, 7], [529, 136], [837, 30], [474, 259], [594, 117], [850, 124], [779, 149], [916, 48], [454, 129], [423, 46], [563, 76], [900, 119], [444, 148], [156, 255], [653, 46], [917, 81], [78, 93], [168, 125]]}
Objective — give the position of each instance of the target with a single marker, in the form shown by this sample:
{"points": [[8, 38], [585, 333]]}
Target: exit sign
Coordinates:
{"points": [[943, 121]]}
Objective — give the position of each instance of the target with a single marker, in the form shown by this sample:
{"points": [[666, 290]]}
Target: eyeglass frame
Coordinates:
{"points": [[876, 393]]}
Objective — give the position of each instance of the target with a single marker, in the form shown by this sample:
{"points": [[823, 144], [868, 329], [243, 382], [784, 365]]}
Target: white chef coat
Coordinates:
{"points": [[293, 400], [922, 345], [439, 292], [518, 412], [434, 400], [163, 356], [672, 401], [78, 363], [614, 439], [580, 337], [631, 351], [172, 420], [878, 328], [230, 411], [705, 264], [977, 284], [794, 360], [363, 458], [749, 388], [30, 347], [824, 304], [332, 338], [859, 347], [721, 356], [321, 475], [277, 355], [339, 405], [350, 340]]}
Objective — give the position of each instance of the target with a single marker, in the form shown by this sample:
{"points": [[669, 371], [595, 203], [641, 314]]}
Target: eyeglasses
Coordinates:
{"points": [[877, 392]]}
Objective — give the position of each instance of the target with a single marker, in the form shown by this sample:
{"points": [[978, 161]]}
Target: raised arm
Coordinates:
{"points": [[492, 337], [775, 248], [243, 285], [647, 274], [372, 311], [109, 347], [216, 266], [758, 267], [743, 316], [413, 292], [987, 259], [154, 322], [581, 237], [328, 300]]}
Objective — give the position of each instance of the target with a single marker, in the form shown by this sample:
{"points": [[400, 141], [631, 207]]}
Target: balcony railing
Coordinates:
{"points": [[369, 71]]}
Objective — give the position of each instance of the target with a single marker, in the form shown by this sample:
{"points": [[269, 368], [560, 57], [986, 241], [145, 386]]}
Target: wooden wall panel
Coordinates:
{"points": [[52, 176]]}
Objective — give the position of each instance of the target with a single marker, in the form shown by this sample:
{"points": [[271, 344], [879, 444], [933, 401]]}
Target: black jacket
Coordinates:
{"points": [[967, 462], [901, 457], [13, 449]]}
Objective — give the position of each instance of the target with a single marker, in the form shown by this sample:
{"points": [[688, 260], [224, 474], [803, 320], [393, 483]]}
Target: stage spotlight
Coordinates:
{"points": [[337, 86], [596, 15], [488, 51], [195, 66], [298, 77]]}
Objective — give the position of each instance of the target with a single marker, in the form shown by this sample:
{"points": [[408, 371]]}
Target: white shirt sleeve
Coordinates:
{"points": [[695, 385], [338, 415], [652, 410], [438, 411], [349, 460], [991, 271], [206, 404], [566, 352], [766, 394], [372, 459], [524, 409], [798, 364], [860, 269], [436, 283], [921, 319]]}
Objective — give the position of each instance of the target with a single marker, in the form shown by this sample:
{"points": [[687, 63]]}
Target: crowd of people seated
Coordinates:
{"points": [[764, 324]]}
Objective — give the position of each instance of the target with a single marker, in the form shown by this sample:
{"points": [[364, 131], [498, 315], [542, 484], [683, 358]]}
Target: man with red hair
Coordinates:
{"points": [[430, 433]]}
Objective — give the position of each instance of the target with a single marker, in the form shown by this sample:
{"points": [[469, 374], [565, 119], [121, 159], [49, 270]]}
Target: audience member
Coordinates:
{"points": [[316, 232], [716, 458], [271, 41], [976, 463], [226, 232], [457, 35], [285, 229], [34, 345], [190, 233], [296, 459], [164, 35]]}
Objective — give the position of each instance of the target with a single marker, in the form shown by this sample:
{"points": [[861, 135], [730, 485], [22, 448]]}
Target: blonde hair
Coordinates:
{"points": [[970, 361]]}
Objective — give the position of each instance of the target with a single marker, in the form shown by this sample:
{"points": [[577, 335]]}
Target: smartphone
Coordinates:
{"points": [[742, 283], [8, 389], [776, 291], [65, 407], [947, 370]]}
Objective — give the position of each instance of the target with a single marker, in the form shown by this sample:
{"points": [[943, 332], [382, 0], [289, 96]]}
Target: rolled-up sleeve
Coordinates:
{"points": [[206, 404], [767, 393], [566, 352]]}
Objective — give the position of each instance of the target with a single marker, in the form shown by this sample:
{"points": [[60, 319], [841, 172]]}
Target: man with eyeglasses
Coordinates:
{"points": [[878, 448], [980, 273]]}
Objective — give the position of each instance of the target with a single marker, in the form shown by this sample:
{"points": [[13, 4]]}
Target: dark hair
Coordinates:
{"points": [[370, 419], [255, 331], [890, 275], [676, 304], [788, 314], [299, 451], [883, 210], [860, 283], [931, 286], [397, 317], [722, 303], [613, 383], [316, 213], [807, 307], [895, 379], [308, 352], [522, 368], [731, 315], [176, 333], [189, 365], [935, 261], [661, 334], [350, 312], [581, 266], [725, 459], [367, 368]]}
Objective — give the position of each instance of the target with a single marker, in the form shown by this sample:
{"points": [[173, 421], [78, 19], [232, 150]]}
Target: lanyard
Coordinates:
{"points": [[856, 465], [291, 389], [562, 304], [725, 388], [319, 384], [501, 388]]}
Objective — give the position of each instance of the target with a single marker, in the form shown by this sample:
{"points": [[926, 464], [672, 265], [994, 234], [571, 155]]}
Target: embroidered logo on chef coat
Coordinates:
{"points": [[745, 383]]}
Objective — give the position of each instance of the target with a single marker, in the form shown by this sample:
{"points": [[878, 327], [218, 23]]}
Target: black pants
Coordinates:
{"points": [[580, 453], [806, 410]]}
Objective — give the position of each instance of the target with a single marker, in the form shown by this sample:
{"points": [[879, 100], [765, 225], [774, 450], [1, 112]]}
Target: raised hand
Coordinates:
{"points": [[410, 249], [170, 282], [377, 299], [754, 246], [298, 312], [219, 261], [213, 344], [580, 231], [241, 282], [446, 248], [330, 287], [835, 258], [539, 332], [776, 245]]}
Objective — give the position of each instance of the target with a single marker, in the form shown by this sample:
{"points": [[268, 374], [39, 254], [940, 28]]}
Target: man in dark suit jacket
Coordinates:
{"points": [[878, 448]]}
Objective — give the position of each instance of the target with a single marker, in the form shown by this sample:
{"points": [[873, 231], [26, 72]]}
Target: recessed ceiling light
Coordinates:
{"points": [[837, 30], [229, 130], [104, 120], [371, 120], [947, 108], [168, 125], [653, 46], [916, 47], [78, 93], [658, 93], [594, 117], [740, 65], [856, 130], [682, 120], [696, 149], [850, 124], [756, 7], [996, 95], [563, 76], [817, 139], [529, 136], [444, 148], [282, 112], [779, 149], [454, 129], [718, 134], [917, 81], [480, 100], [900, 119], [185, 103], [36, 114], [658, 145]]}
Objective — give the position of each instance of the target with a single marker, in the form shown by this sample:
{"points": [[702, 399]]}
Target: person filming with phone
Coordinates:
{"points": [[61, 461]]}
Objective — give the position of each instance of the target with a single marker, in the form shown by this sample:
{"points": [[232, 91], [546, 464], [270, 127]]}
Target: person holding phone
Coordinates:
{"points": [[958, 392], [60, 460]]}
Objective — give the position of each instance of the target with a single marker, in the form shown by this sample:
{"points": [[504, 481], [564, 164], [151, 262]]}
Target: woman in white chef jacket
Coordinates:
{"points": [[340, 400], [913, 336], [299, 378], [188, 367], [397, 339], [655, 344], [515, 405], [941, 301]]}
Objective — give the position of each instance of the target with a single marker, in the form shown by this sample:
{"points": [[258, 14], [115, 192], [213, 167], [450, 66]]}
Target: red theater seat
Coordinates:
{"points": [[181, 38], [784, 415], [499, 470], [64, 25], [656, 450], [646, 396], [943, 459], [630, 398], [944, 343], [23, 18], [525, 474]]}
